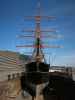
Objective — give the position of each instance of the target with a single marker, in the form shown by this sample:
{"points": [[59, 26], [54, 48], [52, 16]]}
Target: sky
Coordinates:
{"points": [[12, 22]]}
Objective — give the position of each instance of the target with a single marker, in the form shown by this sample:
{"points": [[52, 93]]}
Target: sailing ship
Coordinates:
{"points": [[38, 80]]}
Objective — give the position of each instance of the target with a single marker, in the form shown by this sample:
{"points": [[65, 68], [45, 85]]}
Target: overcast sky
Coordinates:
{"points": [[12, 14]]}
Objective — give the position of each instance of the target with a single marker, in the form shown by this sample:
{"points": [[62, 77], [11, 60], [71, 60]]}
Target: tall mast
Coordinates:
{"points": [[38, 52], [38, 33]]}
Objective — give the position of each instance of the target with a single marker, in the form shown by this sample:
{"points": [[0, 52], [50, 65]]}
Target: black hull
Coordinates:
{"points": [[60, 86]]}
